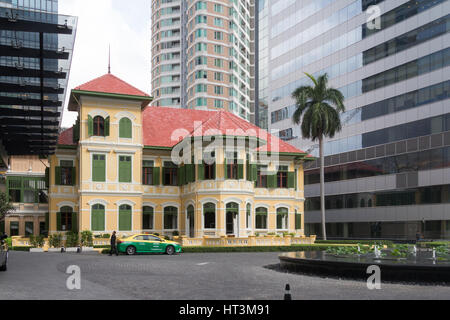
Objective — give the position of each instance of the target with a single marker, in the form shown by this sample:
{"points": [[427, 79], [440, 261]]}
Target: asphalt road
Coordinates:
{"points": [[210, 276]]}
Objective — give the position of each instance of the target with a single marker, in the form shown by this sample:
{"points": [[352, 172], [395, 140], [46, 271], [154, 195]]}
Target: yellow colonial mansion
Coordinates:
{"points": [[115, 170]]}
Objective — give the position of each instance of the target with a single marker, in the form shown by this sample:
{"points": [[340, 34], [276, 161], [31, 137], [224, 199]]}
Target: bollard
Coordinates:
{"points": [[287, 295]]}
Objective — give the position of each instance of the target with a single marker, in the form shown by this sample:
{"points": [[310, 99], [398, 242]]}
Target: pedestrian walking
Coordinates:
{"points": [[113, 245]]}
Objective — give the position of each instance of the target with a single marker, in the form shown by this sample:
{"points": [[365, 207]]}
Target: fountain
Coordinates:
{"points": [[400, 263]]}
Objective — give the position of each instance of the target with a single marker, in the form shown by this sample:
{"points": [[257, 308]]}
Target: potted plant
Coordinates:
{"points": [[72, 242], [37, 243], [55, 243], [87, 243]]}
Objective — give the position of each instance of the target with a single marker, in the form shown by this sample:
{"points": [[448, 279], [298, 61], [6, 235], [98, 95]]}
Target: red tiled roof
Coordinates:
{"points": [[109, 83], [66, 138], [166, 127]]}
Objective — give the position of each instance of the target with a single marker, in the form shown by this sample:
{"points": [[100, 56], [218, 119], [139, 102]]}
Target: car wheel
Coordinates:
{"points": [[131, 251], [170, 250]]}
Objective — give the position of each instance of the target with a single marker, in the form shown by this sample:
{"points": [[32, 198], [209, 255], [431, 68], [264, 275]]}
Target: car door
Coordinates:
{"points": [[155, 244], [140, 244]]}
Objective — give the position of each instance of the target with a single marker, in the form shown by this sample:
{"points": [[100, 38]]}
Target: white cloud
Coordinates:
{"points": [[104, 22]]}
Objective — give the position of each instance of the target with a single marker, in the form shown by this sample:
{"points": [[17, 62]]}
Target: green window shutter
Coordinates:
{"points": [[125, 128], [156, 171], [124, 219], [90, 126], [47, 221], [98, 170], [190, 173], [74, 222], [272, 181], [298, 221], [201, 172], [291, 180], [58, 176], [254, 174], [98, 219], [240, 171], [296, 178], [58, 221], [47, 178], [124, 169], [107, 122], [74, 176], [76, 132], [183, 178]]}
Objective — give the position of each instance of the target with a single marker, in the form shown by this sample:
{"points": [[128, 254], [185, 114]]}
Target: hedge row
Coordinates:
{"points": [[294, 248], [436, 244], [384, 242], [20, 248]]}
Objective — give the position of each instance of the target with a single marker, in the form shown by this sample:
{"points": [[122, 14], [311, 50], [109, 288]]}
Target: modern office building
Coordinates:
{"points": [[36, 46], [388, 171], [204, 55]]}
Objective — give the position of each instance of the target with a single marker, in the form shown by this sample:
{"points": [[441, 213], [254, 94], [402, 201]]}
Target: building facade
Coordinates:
{"points": [[203, 55], [25, 184], [388, 172], [115, 170]]}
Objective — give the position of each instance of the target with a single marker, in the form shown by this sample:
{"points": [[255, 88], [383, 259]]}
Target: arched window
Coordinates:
{"points": [[98, 217], [369, 203], [64, 219], [282, 218], [125, 218], [125, 128], [209, 215], [147, 218], [249, 216], [170, 218], [261, 218], [99, 126]]}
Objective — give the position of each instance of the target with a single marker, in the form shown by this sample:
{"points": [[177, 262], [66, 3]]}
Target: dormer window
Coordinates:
{"points": [[99, 126]]}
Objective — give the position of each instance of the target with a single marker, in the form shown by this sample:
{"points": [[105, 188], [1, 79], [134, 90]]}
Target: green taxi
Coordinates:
{"points": [[147, 243]]}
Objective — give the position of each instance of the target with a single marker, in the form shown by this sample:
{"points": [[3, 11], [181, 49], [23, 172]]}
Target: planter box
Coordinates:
{"points": [[36, 250], [54, 250], [72, 250]]}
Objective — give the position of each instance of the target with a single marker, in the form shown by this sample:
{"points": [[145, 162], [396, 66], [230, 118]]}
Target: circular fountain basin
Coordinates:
{"points": [[419, 268]]}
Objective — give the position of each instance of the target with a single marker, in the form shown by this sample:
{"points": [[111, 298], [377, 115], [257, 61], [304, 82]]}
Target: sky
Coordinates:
{"points": [[126, 26]]}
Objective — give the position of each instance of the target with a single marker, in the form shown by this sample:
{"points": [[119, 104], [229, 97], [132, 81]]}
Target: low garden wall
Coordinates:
{"points": [[252, 241]]}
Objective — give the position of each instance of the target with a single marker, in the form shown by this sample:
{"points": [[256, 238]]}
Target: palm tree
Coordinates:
{"points": [[319, 106]]}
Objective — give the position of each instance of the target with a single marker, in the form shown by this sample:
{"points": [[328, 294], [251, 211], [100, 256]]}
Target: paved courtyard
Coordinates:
{"points": [[207, 276]]}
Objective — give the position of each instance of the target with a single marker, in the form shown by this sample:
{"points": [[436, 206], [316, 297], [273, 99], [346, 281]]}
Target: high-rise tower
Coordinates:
{"points": [[204, 55]]}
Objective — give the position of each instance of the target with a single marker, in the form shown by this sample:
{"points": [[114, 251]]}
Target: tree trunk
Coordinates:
{"points": [[322, 189]]}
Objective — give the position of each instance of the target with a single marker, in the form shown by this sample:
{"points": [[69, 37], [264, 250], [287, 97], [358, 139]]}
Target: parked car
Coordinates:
{"points": [[3, 253], [147, 243]]}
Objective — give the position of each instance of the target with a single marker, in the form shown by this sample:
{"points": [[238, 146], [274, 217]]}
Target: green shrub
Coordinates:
{"points": [[37, 241], [26, 249], [8, 242], [72, 239], [102, 247], [55, 240], [87, 239]]}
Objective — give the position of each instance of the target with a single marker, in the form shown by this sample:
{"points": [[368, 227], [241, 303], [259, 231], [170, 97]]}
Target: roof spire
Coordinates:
{"points": [[109, 59]]}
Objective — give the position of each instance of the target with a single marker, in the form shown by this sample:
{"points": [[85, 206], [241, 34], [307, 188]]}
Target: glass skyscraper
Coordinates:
{"points": [[388, 172]]}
